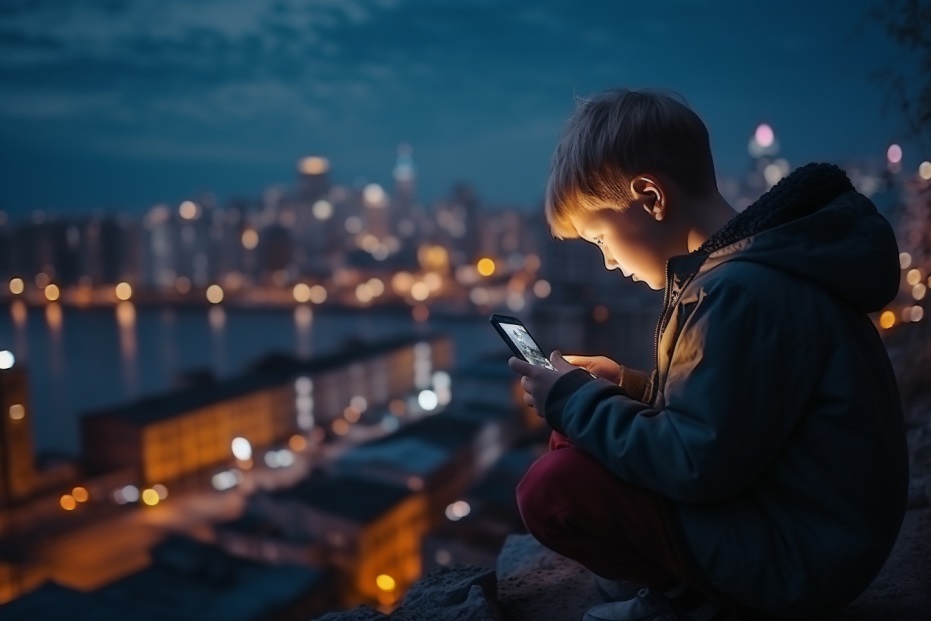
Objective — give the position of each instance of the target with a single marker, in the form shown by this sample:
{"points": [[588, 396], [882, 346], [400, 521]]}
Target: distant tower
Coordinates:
{"points": [[313, 179], [17, 470], [405, 178]]}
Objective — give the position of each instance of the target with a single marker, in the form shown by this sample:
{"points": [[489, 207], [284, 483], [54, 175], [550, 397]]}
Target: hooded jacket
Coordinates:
{"points": [[773, 419]]}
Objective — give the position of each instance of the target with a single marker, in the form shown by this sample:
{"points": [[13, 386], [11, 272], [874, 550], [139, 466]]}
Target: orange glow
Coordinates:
{"points": [[150, 497], [385, 582], [17, 286], [52, 292], [887, 320], [301, 293], [17, 411], [80, 494], [397, 407], [420, 291], [214, 294], [68, 502], [340, 427], [188, 210], [297, 443], [123, 291], [183, 284], [250, 239], [913, 277], [351, 414], [314, 165], [485, 266]]}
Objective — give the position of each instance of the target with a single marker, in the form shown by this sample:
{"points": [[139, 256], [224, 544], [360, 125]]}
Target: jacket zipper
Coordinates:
{"points": [[659, 326]]}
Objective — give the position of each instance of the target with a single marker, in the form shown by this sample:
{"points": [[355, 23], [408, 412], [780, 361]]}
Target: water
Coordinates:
{"points": [[83, 359]]}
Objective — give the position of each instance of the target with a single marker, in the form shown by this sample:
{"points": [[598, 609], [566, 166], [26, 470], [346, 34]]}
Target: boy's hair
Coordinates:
{"points": [[616, 135]]}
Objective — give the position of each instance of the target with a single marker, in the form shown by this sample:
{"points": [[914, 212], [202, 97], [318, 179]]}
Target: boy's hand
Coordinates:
{"points": [[601, 366], [537, 381]]}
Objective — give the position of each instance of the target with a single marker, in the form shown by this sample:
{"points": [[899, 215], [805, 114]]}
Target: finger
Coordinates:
{"points": [[573, 359], [559, 362], [520, 366], [525, 383], [528, 399]]}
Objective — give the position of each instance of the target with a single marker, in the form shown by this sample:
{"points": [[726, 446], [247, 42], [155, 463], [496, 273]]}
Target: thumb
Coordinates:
{"points": [[559, 362]]}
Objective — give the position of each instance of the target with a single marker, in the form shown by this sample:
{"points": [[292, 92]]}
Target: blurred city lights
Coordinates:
{"points": [[919, 291], [443, 557], [297, 443], [150, 497], [924, 170], [764, 135], [17, 411], [52, 292], [242, 449], [80, 494], [773, 174], [313, 165], [187, 210], [130, 493], [42, 280], [161, 490], [301, 293], [358, 403], [225, 480], [542, 289], [17, 286], [183, 284], [458, 510], [918, 313], [374, 195], [385, 582], [322, 210], [214, 294], [351, 414], [600, 313], [894, 154], [123, 291], [905, 260], [887, 320], [420, 291], [427, 400], [913, 277], [485, 266], [318, 294], [7, 360], [340, 427], [68, 503], [250, 239], [420, 313]]}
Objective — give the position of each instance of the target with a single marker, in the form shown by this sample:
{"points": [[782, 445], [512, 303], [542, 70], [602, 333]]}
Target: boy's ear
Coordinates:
{"points": [[650, 194]]}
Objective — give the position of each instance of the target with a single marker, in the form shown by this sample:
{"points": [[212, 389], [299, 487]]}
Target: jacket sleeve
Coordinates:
{"points": [[732, 397]]}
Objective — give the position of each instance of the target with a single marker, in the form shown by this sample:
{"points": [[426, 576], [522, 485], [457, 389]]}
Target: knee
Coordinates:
{"points": [[551, 485]]}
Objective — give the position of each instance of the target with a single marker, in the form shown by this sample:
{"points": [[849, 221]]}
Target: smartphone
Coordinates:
{"points": [[518, 338]]}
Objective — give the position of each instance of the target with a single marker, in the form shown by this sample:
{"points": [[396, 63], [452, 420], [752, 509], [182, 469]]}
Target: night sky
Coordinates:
{"points": [[121, 104]]}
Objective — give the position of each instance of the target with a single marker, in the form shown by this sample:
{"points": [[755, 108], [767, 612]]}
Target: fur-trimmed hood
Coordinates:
{"points": [[814, 225]]}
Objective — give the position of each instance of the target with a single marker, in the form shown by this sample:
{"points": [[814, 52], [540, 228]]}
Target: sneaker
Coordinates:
{"points": [[615, 590], [643, 606]]}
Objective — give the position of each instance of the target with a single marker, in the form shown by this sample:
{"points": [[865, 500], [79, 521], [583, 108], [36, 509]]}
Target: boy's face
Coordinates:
{"points": [[632, 241]]}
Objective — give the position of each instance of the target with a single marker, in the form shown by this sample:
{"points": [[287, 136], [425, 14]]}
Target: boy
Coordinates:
{"points": [[761, 469]]}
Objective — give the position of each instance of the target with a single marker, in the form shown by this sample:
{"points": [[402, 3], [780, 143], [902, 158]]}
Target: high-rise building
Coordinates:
{"points": [[406, 214], [17, 467]]}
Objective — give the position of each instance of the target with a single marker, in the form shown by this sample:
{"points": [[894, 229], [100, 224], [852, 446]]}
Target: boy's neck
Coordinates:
{"points": [[712, 213]]}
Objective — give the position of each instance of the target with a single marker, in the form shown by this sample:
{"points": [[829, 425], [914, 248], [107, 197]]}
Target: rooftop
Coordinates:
{"points": [[360, 500], [273, 370]]}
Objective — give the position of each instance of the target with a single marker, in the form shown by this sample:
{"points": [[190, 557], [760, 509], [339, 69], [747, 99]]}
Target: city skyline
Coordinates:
{"points": [[123, 106]]}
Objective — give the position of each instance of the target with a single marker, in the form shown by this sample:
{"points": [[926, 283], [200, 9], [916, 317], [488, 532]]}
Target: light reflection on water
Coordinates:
{"points": [[84, 359]]}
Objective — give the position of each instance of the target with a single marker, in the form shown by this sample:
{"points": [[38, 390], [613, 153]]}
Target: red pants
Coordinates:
{"points": [[575, 506]]}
